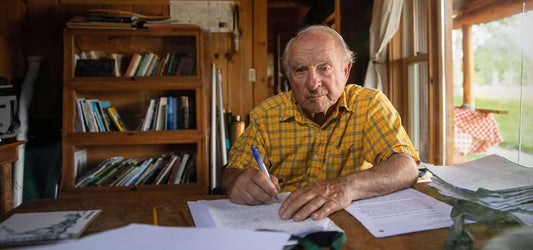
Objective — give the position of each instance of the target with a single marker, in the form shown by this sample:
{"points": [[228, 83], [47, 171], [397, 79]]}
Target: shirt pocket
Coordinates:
{"points": [[340, 161]]}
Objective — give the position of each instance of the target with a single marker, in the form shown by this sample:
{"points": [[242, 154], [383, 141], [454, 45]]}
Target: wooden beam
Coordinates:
{"points": [[493, 111], [468, 66], [449, 140], [477, 11]]}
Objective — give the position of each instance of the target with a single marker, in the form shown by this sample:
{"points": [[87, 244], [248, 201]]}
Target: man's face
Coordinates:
{"points": [[316, 72]]}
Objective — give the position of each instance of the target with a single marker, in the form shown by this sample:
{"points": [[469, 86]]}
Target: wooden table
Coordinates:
{"points": [[8, 155], [120, 210]]}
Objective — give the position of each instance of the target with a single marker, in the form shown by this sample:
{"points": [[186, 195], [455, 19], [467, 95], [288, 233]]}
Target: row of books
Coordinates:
{"points": [[169, 113], [174, 168], [150, 64], [93, 115], [98, 63]]}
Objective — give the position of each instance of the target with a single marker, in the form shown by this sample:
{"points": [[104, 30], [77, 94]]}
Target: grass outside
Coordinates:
{"points": [[509, 124]]}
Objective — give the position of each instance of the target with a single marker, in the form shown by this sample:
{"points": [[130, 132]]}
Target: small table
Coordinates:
{"points": [[8, 155]]}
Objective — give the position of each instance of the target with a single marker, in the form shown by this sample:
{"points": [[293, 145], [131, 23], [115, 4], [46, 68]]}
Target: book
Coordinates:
{"points": [[186, 65], [117, 69], [181, 168], [172, 67], [80, 118], [149, 115], [165, 172], [161, 114], [98, 116], [134, 64], [189, 174], [163, 69], [171, 116], [151, 67], [174, 171], [90, 176], [119, 168], [130, 166], [145, 63], [108, 122], [90, 120], [151, 174], [123, 169], [185, 112], [80, 162], [38, 227], [117, 120], [136, 174]]}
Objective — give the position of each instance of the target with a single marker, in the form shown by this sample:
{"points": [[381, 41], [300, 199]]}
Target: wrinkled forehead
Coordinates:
{"points": [[317, 46]]}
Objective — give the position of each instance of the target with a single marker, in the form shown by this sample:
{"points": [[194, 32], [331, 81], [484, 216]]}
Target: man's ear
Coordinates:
{"points": [[347, 69]]}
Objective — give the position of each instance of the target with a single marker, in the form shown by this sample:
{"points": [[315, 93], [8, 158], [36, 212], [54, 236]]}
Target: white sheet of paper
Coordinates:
{"points": [[402, 212], [140, 236], [225, 214]]}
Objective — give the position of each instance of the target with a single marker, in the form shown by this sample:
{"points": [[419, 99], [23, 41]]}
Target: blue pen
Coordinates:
{"points": [[261, 164]]}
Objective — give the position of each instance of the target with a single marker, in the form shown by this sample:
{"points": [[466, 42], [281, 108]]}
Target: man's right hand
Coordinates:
{"points": [[249, 186]]}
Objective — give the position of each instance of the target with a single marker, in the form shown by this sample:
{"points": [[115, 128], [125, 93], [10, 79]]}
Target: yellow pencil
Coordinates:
{"points": [[154, 210]]}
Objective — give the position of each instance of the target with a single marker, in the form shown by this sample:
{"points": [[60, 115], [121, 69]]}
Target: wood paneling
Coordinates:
{"points": [[260, 48], [11, 59]]}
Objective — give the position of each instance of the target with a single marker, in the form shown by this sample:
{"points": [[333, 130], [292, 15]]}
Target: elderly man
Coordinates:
{"points": [[326, 142]]}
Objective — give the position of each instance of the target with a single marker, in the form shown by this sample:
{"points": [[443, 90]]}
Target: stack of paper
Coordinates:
{"points": [[491, 181], [225, 214]]}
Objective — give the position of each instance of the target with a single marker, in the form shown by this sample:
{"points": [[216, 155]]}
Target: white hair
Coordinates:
{"points": [[347, 54]]}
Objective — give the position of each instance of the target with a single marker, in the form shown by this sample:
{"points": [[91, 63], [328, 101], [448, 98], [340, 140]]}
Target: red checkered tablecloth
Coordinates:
{"points": [[475, 132]]}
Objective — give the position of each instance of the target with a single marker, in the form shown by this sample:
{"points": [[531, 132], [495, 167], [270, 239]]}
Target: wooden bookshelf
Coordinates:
{"points": [[131, 96]]}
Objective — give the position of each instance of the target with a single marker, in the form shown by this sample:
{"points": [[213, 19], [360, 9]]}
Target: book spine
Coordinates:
{"points": [[161, 113], [146, 163], [80, 118], [171, 113], [149, 115], [181, 168], [185, 112]]}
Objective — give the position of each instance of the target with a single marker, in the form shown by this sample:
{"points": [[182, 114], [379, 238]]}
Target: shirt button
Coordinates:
{"points": [[315, 157]]}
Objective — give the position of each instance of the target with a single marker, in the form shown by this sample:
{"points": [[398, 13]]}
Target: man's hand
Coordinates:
{"points": [[321, 199], [317, 200], [249, 186]]}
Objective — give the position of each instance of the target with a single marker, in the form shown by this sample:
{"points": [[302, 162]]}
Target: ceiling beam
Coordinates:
{"points": [[476, 12]]}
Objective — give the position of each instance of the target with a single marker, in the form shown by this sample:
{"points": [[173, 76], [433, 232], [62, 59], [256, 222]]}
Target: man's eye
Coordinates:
{"points": [[325, 68]]}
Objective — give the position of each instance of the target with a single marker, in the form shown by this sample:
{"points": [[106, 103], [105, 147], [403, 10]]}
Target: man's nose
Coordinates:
{"points": [[314, 80]]}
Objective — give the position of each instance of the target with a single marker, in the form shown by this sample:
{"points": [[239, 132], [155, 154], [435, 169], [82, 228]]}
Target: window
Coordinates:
{"points": [[416, 85]]}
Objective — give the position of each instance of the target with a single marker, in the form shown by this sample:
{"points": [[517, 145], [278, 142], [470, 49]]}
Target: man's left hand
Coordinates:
{"points": [[317, 200]]}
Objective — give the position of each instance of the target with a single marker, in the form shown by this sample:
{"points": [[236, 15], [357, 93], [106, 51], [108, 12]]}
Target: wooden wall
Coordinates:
{"points": [[34, 28]]}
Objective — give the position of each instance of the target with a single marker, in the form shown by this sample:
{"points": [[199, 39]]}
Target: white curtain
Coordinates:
{"points": [[385, 21]]}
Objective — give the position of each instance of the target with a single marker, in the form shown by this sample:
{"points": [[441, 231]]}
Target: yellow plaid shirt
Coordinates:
{"points": [[364, 130]]}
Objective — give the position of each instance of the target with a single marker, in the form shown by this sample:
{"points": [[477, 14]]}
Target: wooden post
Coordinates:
{"points": [[468, 66]]}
